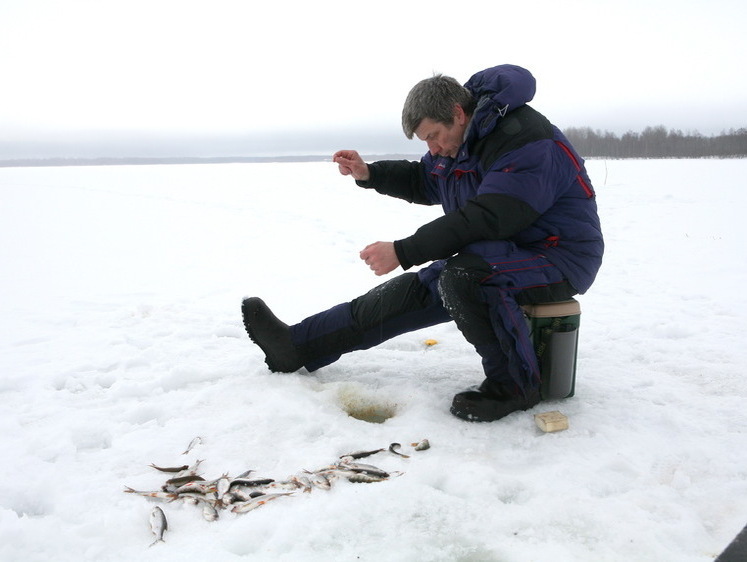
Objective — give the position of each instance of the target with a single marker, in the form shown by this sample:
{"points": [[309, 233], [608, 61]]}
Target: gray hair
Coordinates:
{"points": [[434, 98]]}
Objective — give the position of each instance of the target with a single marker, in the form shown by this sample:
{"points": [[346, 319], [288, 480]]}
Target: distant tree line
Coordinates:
{"points": [[657, 142]]}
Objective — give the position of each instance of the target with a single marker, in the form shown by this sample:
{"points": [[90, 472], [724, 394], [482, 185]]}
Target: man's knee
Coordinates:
{"points": [[468, 262], [464, 299], [401, 295], [461, 277]]}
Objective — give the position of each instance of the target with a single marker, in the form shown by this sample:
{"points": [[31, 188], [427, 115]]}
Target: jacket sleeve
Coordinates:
{"points": [[399, 178], [488, 216]]}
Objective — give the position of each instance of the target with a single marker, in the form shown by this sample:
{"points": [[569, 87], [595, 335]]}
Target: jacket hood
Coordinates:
{"points": [[498, 90]]}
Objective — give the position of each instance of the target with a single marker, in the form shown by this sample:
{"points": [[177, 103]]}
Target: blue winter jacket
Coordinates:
{"points": [[516, 177]]}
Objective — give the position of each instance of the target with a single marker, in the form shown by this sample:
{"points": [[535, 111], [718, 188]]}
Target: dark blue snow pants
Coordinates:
{"points": [[483, 297]]}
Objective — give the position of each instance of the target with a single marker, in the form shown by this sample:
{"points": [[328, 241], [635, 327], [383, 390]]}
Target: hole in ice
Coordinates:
{"points": [[365, 406], [374, 413]]}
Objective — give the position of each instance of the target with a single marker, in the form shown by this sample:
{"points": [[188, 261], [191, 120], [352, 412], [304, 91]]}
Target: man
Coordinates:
{"points": [[520, 226]]}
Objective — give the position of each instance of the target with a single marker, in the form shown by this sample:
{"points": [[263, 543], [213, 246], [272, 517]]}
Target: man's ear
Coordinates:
{"points": [[460, 117]]}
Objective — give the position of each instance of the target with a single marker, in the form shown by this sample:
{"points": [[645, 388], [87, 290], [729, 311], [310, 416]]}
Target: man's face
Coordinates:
{"points": [[442, 139]]}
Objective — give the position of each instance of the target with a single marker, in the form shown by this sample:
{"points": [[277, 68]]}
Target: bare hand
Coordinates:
{"points": [[351, 164], [380, 257]]}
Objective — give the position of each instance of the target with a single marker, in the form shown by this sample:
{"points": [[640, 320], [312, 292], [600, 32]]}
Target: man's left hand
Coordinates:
{"points": [[380, 257]]}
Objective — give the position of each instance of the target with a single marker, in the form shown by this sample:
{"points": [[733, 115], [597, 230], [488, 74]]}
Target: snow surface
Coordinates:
{"points": [[121, 340]]}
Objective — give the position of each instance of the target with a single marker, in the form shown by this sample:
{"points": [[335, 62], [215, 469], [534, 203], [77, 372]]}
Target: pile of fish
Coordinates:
{"points": [[245, 493]]}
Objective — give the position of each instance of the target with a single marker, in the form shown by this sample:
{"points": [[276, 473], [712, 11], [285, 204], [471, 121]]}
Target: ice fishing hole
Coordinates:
{"points": [[372, 414], [365, 406]]}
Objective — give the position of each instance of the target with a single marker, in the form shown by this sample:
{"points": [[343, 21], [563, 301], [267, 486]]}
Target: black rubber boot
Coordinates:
{"points": [[490, 402], [271, 335]]}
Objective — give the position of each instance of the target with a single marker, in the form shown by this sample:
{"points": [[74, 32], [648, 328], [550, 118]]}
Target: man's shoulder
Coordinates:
{"points": [[517, 129]]}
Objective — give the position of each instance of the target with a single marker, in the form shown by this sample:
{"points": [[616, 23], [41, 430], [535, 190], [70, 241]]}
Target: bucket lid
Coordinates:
{"points": [[552, 309]]}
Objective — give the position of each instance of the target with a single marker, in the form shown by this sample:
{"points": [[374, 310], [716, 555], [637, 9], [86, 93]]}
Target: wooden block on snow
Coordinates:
{"points": [[551, 421]]}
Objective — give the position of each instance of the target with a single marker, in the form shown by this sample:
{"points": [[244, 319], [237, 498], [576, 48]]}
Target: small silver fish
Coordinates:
{"points": [[302, 481], [291, 483], [243, 507], [189, 499], [250, 483], [158, 524], [242, 494], [222, 486], [181, 480], [365, 469], [196, 441], [169, 468], [196, 487], [356, 477], [195, 498], [319, 480], [188, 470], [209, 512], [160, 494], [193, 469], [361, 454], [228, 498], [362, 477], [394, 448], [422, 445]]}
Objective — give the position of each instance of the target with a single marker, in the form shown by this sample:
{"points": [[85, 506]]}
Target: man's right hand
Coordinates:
{"points": [[350, 163]]}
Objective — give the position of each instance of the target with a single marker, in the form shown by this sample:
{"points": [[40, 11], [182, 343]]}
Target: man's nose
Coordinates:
{"points": [[433, 148]]}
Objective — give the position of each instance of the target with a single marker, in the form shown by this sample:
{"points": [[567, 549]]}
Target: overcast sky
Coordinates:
{"points": [[166, 73]]}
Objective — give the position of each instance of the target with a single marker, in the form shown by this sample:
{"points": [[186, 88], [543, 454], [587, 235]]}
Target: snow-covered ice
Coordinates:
{"points": [[121, 340]]}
